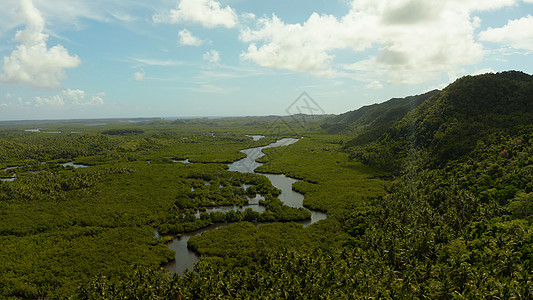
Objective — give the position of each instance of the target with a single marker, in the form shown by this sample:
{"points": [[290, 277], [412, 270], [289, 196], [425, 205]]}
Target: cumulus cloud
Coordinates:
{"points": [[517, 34], [415, 40], [95, 101], [139, 76], [32, 61], [300, 48], [70, 97], [208, 13], [186, 38], [212, 56], [374, 85]]}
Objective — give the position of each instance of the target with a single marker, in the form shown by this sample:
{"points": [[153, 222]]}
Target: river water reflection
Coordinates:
{"points": [[13, 177], [185, 259], [75, 165]]}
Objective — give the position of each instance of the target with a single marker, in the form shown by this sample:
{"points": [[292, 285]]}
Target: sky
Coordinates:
{"points": [[65, 59]]}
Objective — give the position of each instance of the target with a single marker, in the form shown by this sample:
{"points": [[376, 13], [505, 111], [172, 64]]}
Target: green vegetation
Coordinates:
{"points": [[63, 225], [427, 197], [330, 181], [123, 131], [371, 121], [450, 124]]}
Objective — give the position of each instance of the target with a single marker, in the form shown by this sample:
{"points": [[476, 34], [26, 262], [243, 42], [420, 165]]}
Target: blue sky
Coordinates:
{"points": [[66, 59]]}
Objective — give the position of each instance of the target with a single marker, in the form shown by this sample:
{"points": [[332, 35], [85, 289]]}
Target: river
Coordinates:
{"points": [[13, 177], [185, 259]]}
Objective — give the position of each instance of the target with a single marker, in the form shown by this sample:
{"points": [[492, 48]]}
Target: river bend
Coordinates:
{"points": [[185, 258]]}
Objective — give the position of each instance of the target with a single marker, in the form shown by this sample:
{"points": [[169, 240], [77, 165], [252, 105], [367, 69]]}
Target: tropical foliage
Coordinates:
{"points": [[427, 197]]}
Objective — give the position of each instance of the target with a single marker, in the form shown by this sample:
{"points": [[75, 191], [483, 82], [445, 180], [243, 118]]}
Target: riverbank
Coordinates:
{"points": [[185, 258]]}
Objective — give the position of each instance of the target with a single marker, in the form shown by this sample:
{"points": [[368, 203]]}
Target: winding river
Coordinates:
{"points": [[185, 259], [13, 177]]}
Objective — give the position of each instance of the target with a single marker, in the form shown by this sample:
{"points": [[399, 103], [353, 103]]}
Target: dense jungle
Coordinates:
{"points": [[429, 196]]}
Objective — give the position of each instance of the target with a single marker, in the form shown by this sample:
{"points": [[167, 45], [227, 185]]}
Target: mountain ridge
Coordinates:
{"points": [[451, 122]]}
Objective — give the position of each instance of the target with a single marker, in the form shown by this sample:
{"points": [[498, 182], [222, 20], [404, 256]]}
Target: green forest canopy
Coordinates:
{"points": [[427, 197]]}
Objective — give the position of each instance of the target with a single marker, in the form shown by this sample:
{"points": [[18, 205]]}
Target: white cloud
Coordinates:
{"points": [[300, 48], [212, 56], [158, 62], [139, 76], [68, 15], [208, 13], [476, 5], [123, 17], [517, 34], [374, 85], [69, 97], [411, 10], [32, 61], [96, 100], [415, 40], [188, 39]]}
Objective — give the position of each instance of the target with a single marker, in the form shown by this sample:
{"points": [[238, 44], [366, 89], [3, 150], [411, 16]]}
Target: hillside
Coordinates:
{"points": [[450, 123], [371, 121], [454, 222], [451, 218]]}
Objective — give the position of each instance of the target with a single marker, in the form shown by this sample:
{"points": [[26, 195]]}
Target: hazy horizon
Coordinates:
{"points": [[62, 59], [140, 119]]}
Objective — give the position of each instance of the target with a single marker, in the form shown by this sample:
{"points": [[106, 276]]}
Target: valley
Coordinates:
{"points": [[428, 196]]}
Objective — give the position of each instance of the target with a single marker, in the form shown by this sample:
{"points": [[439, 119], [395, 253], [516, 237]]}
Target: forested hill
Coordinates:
{"points": [[460, 209], [450, 123], [375, 117], [454, 222]]}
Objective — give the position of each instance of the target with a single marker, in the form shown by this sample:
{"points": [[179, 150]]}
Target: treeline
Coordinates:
{"points": [[165, 142], [122, 131], [20, 147], [451, 123], [456, 221], [61, 226], [275, 211], [307, 275], [215, 189], [370, 122], [461, 207], [51, 184]]}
